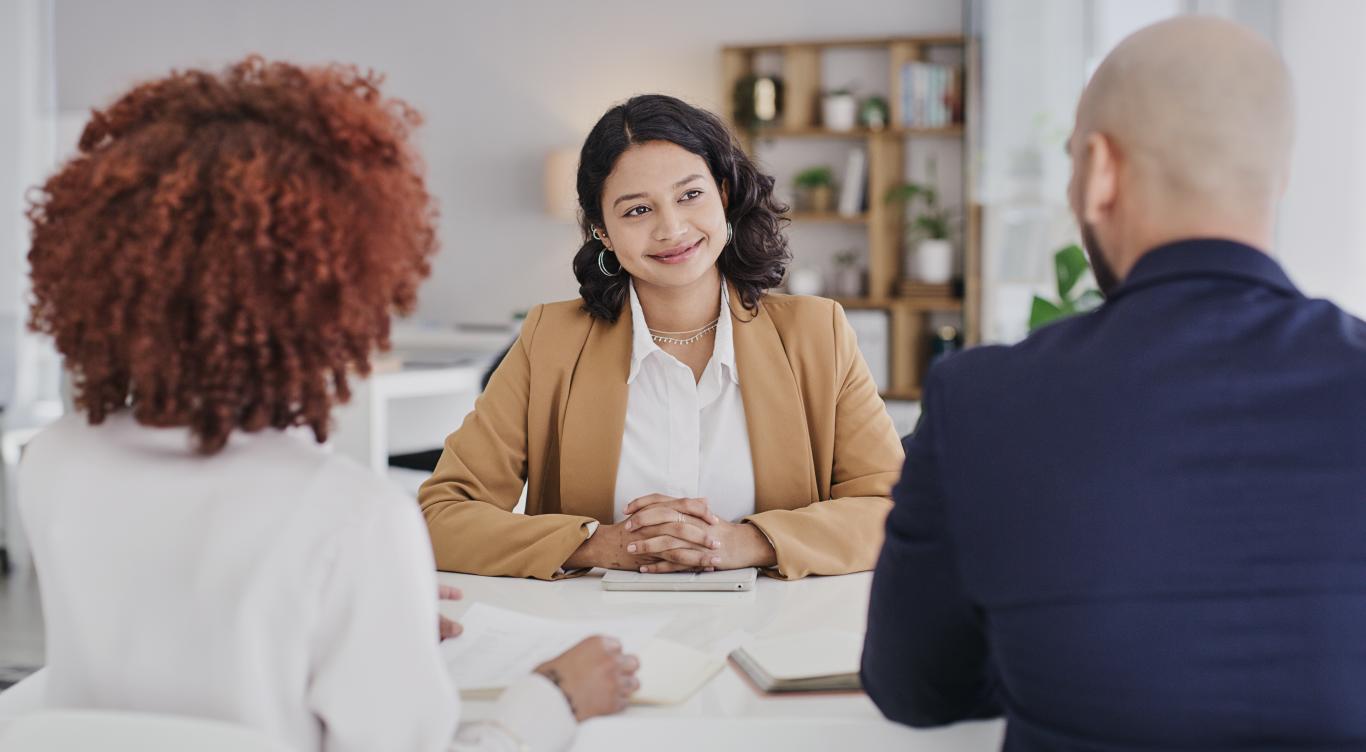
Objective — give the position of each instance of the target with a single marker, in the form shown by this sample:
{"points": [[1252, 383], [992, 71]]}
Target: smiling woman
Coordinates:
{"points": [[676, 417]]}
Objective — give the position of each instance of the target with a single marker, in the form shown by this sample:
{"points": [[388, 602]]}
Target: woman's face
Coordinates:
{"points": [[665, 216]]}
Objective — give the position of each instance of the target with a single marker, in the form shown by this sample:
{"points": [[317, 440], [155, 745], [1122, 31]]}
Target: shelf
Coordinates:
{"points": [[948, 131], [910, 309], [828, 217], [941, 40], [905, 395], [907, 304]]}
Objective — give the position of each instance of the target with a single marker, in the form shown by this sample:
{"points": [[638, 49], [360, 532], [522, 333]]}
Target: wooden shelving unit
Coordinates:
{"points": [[829, 217], [953, 131], [908, 316]]}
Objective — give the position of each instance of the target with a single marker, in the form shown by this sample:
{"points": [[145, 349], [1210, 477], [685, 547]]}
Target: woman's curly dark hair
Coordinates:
{"points": [[225, 248], [756, 257]]}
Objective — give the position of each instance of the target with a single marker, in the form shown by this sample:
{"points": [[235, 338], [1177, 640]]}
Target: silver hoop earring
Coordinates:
{"points": [[602, 264], [596, 236], [730, 233]]}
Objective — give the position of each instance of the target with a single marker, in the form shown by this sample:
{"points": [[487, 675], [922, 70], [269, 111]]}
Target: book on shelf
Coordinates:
{"points": [[854, 185], [930, 95]]}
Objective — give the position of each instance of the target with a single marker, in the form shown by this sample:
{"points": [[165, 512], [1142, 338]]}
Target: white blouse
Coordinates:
{"points": [[272, 585], [685, 437]]}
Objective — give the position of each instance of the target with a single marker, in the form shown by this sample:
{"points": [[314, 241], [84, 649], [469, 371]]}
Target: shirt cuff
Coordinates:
{"points": [[532, 714]]}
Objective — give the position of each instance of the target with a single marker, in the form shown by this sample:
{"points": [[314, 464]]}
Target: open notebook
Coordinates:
{"points": [[825, 660]]}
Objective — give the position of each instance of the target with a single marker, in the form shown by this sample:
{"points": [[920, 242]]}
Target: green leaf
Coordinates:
{"points": [[934, 226], [1070, 264], [814, 177], [1043, 312], [903, 192]]}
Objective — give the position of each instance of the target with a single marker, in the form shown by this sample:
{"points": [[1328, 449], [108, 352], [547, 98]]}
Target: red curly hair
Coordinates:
{"points": [[225, 248]]}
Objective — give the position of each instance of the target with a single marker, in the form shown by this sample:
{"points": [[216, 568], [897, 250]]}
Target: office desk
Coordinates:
{"points": [[727, 713], [428, 403]]}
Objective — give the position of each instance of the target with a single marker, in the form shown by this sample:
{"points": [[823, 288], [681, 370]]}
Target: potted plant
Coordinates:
{"points": [[874, 113], [815, 189], [848, 277], [928, 227], [1069, 266], [839, 110]]}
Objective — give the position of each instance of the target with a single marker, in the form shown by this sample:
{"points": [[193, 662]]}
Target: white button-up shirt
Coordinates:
{"points": [[684, 437], [272, 585]]}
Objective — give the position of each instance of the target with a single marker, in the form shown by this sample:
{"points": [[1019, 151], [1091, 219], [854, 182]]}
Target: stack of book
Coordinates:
{"points": [[930, 95]]}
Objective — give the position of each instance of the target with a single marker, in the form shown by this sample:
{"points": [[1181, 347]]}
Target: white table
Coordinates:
{"points": [[727, 713]]}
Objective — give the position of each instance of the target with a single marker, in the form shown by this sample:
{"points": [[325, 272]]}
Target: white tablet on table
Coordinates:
{"points": [[728, 580]]}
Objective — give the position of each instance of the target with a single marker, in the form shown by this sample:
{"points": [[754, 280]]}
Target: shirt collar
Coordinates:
{"points": [[643, 346], [1205, 257]]}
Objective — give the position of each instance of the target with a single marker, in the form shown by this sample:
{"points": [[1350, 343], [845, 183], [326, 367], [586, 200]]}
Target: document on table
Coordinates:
{"points": [[499, 647]]}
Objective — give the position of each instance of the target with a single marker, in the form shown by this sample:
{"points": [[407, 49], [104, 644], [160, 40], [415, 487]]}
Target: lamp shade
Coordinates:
{"points": [[561, 189]]}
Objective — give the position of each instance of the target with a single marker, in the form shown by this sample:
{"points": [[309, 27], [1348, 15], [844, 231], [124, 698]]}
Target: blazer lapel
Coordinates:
{"points": [[593, 421], [779, 442]]}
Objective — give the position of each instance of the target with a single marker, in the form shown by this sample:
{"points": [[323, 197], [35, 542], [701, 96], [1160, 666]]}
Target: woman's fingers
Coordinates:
{"points": [[673, 535], [644, 501], [660, 514], [657, 545], [682, 559], [694, 507], [666, 567], [448, 628]]}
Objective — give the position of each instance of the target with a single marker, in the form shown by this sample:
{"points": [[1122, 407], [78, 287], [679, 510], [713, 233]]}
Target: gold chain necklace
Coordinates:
{"points": [[683, 338]]}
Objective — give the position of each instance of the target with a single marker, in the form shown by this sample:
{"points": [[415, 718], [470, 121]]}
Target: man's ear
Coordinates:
{"points": [[1101, 187]]}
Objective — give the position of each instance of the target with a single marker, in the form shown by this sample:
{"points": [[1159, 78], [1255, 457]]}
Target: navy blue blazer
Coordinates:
{"points": [[1141, 528]]}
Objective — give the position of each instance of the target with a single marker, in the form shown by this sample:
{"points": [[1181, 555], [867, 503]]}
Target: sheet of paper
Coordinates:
{"points": [[499, 646]]}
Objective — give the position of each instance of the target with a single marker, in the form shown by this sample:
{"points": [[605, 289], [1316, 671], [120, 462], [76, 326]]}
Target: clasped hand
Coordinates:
{"points": [[669, 534]]}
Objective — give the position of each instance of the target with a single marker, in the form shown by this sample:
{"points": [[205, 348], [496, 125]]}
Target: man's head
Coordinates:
{"points": [[1184, 131]]}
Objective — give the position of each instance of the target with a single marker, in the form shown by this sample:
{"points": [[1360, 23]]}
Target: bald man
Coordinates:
{"points": [[1145, 527]]}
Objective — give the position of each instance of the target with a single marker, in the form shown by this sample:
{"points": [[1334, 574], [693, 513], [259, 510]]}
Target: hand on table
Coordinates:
{"points": [[447, 628], [595, 677], [668, 534]]}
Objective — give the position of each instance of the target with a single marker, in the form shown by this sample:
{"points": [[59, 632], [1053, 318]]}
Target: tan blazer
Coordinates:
{"points": [[824, 450]]}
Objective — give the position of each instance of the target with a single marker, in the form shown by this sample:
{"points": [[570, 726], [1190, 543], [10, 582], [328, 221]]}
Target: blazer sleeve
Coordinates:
{"points": [[469, 499], [843, 534], [925, 656]]}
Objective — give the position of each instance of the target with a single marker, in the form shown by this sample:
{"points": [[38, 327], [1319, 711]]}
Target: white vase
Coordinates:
{"points": [[932, 262], [839, 112]]}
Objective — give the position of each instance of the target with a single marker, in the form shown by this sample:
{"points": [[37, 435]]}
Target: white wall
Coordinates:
{"points": [[501, 85], [1036, 58], [1323, 218]]}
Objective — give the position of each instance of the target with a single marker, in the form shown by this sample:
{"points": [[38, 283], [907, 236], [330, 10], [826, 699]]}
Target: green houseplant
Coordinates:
{"points": [[1069, 266], [931, 221], [928, 227], [815, 189]]}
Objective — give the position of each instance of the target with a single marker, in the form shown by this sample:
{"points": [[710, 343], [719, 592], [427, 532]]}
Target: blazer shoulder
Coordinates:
{"points": [[561, 315], [548, 322], [798, 310]]}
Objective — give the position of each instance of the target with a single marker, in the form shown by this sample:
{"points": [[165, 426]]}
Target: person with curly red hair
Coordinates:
{"points": [[215, 265]]}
